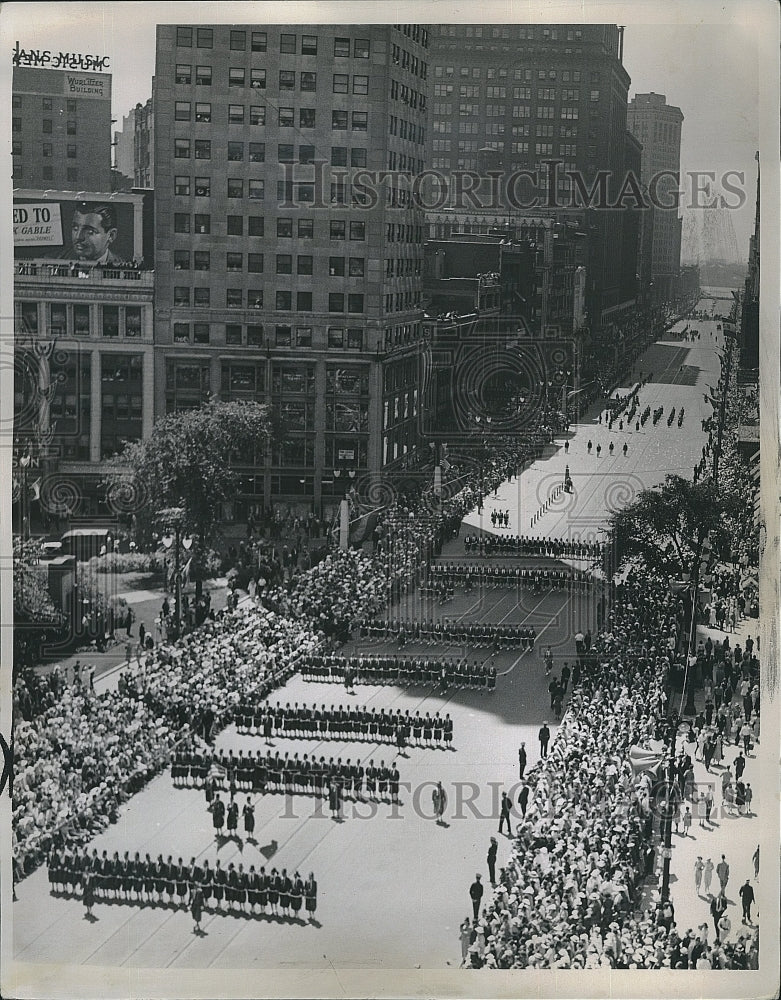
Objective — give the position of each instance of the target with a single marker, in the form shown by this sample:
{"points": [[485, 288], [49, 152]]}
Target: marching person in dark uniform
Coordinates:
{"points": [[180, 878], [196, 906], [521, 760], [274, 883], [218, 816], [233, 818], [219, 882], [88, 893], [248, 813], [310, 892], [170, 879], [334, 798], [296, 896]]}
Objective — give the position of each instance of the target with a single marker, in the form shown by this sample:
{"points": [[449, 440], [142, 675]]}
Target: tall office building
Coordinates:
{"points": [[61, 129], [277, 278], [537, 93], [657, 126], [134, 145]]}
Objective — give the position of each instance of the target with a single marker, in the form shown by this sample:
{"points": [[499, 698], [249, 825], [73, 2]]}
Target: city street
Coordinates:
{"points": [[393, 884]]}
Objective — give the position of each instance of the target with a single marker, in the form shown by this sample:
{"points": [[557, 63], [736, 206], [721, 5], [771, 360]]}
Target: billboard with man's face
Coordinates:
{"points": [[92, 231]]}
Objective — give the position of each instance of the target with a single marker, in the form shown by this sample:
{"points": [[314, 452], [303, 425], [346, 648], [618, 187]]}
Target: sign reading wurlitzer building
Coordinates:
{"points": [[48, 59]]}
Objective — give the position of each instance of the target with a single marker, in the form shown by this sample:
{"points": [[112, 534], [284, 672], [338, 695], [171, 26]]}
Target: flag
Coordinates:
{"points": [[645, 760], [217, 771]]}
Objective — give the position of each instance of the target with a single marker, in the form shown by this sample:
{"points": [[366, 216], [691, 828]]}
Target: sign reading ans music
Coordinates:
{"points": [[47, 59]]}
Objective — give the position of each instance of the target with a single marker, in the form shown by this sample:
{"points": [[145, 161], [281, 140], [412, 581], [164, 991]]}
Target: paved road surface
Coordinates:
{"points": [[393, 886]]}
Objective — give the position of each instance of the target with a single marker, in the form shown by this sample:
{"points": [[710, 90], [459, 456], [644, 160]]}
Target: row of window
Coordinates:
{"points": [[255, 115], [404, 162], [472, 146], [46, 104], [508, 31], [544, 111], [407, 95], [237, 77], [502, 73], [71, 150], [338, 302], [47, 173], [47, 126], [518, 93], [406, 60], [341, 156], [111, 320], [414, 32], [338, 229], [354, 267], [406, 130], [289, 43], [284, 335]]}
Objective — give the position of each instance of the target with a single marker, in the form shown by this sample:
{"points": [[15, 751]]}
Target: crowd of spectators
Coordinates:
{"points": [[78, 754], [569, 896]]}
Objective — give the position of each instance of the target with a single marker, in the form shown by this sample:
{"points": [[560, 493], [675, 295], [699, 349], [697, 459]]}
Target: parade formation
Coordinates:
{"points": [[237, 714]]}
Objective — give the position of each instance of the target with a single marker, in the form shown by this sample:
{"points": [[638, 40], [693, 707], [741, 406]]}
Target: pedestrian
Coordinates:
{"points": [[698, 867], [723, 928], [746, 898], [521, 760], [755, 859], [476, 894], [625, 449], [701, 809], [718, 906], [465, 937], [740, 766], [599, 450], [504, 816], [687, 822], [722, 872], [492, 849], [439, 800], [544, 737], [523, 798], [707, 875], [708, 804]]}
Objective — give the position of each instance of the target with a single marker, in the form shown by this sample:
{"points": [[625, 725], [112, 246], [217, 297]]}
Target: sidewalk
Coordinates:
{"points": [[145, 610], [733, 835]]}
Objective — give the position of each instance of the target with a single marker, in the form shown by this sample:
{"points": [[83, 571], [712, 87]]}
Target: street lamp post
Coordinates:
{"points": [[667, 816], [172, 518]]}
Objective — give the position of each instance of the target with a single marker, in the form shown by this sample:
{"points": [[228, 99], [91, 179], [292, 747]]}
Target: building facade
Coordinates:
{"points": [[550, 102], [83, 352], [61, 129], [284, 272], [134, 145], [657, 126]]}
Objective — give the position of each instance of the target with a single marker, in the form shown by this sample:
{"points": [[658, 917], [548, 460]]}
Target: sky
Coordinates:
{"points": [[711, 71]]}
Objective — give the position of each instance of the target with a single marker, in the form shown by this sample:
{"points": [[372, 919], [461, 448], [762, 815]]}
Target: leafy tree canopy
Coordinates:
{"points": [[665, 527], [32, 601], [189, 462]]}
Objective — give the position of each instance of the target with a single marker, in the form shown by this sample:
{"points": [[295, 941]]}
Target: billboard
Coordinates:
{"points": [[98, 230]]}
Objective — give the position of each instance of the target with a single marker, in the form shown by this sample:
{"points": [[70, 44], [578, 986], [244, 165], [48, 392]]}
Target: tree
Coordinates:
{"points": [[189, 461], [35, 614], [665, 527], [32, 601]]}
